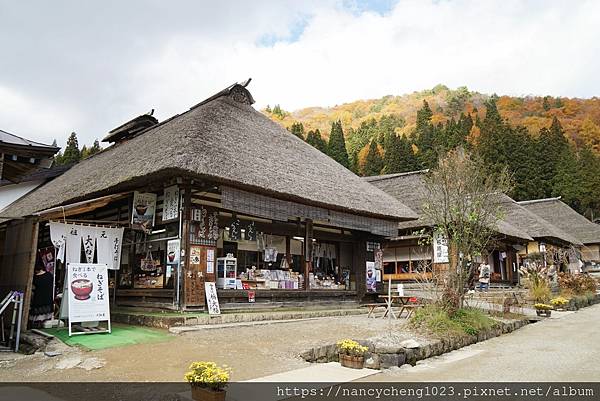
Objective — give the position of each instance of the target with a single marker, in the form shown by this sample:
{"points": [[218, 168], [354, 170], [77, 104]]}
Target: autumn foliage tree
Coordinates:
{"points": [[464, 205]]}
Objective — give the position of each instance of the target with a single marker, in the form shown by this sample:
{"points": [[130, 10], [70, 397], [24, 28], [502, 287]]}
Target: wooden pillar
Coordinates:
{"points": [[308, 247], [185, 241], [359, 266]]}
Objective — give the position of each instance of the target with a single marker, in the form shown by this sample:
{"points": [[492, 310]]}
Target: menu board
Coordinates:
{"points": [[87, 293]]}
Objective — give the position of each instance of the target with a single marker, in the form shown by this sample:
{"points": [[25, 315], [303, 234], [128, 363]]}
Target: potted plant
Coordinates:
{"points": [[559, 303], [208, 381], [543, 310], [351, 354]]}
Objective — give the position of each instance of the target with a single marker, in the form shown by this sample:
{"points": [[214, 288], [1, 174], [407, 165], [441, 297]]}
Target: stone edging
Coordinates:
{"points": [[386, 356]]}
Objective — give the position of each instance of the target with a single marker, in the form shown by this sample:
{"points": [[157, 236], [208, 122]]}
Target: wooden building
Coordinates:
{"points": [[299, 225], [519, 233], [564, 217]]}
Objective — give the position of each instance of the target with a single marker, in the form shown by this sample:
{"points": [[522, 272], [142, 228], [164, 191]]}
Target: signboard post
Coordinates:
{"points": [[87, 295], [440, 248], [212, 302]]}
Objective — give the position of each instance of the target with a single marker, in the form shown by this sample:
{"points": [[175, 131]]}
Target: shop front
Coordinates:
{"points": [[216, 195]]}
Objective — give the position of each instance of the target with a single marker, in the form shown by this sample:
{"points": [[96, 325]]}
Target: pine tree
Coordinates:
{"points": [[268, 109], [298, 130], [589, 168], [314, 138], [551, 144], [546, 103], [72, 154], [373, 161], [336, 148], [567, 183]]}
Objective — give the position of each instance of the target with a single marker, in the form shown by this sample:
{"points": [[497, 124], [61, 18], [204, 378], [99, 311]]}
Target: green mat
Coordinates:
{"points": [[121, 335]]}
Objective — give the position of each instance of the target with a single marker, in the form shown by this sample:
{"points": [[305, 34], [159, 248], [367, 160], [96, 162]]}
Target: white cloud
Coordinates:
{"points": [[507, 47]]}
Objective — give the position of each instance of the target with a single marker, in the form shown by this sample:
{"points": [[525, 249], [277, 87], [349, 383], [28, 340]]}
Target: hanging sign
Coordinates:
{"points": [[144, 206], [440, 249], [212, 301], [171, 203], [371, 277], [87, 293], [173, 252]]}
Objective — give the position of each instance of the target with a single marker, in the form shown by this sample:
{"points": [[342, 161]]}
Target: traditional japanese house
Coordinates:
{"points": [[564, 217], [546, 236], [231, 197], [20, 157], [406, 254]]}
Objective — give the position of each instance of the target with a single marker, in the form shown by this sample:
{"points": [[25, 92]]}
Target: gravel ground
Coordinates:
{"points": [[251, 352]]}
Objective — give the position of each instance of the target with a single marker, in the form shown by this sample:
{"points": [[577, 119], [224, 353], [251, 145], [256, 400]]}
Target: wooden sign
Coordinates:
{"points": [[212, 301]]}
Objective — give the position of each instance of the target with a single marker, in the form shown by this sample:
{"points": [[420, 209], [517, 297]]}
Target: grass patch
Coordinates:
{"points": [[465, 321]]}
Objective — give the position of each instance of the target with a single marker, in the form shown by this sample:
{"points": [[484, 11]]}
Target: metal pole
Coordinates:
{"points": [[20, 297]]}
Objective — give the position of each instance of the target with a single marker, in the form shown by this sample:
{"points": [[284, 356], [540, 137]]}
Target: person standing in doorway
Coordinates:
{"points": [[42, 305], [484, 277]]}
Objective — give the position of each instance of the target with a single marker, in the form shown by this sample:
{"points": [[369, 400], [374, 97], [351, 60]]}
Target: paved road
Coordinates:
{"points": [[565, 349]]}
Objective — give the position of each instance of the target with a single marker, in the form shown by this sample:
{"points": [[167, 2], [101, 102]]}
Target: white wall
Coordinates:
{"points": [[12, 192]]}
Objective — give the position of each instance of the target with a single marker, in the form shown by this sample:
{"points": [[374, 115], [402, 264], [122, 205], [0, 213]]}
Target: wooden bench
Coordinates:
{"points": [[372, 307], [409, 308]]}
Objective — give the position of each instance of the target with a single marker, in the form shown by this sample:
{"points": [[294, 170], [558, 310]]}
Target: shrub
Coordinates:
{"points": [[577, 284], [437, 320], [559, 302], [208, 374], [351, 347], [543, 307], [536, 278]]}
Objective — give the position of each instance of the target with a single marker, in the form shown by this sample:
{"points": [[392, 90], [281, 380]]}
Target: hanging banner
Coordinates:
{"points": [[88, 236], [171, 203], [212, 301], [58, 236], [87, 293], [144, 207], [440, 249], [73, 253], [108, 245]]}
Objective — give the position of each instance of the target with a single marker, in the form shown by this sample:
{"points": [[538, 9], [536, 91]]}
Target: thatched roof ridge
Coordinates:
{"points": [[533, 224], [409, 188], [223, 140], [563, 216]]}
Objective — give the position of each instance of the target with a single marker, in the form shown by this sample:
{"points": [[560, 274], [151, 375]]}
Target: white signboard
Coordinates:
{"points": [[171, 203], [87, 293], [440, 249], [173, 252], [212, 301]]}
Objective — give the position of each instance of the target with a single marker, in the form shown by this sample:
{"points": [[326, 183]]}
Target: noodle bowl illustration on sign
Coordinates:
{"points": [[82, 288]]}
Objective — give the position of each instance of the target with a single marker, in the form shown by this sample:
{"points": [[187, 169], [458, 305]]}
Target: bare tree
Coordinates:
{"points": [[464, 204]]}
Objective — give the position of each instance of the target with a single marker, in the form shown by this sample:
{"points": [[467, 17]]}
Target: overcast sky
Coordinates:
{"points": [[88, 66]]}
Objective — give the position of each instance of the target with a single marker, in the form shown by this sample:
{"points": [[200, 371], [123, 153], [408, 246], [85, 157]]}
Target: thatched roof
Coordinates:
{"points": [[409, 188], [561, 215], [222, 139], [534, 225]]}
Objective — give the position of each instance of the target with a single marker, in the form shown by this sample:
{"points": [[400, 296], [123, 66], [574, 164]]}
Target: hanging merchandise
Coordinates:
{"points": [[47, 257], [284, 263], [250, 234], [148, 264], [234, 230], [270, 254], [260, 241]]}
